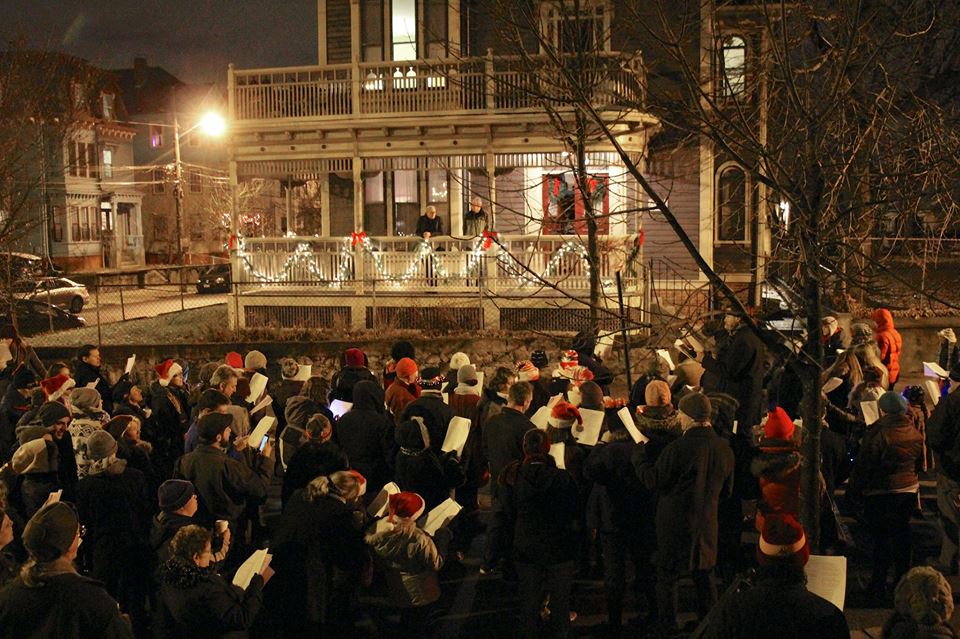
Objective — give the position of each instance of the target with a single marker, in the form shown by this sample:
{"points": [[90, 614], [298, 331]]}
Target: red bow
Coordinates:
{"points": [[488, 239], [232, 242], [357, 238], [641, 236]]}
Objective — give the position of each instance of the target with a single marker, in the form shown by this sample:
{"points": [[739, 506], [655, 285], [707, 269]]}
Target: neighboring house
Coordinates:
{"points": [[83, 208]]}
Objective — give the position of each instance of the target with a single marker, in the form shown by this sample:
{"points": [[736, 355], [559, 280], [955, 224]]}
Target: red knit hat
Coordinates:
{"points": [[779, 426], [54, 387], [527, 372], [569, 359], [234, 360], [563, 415], [167, 370], [406, 367], [782, 541], [354, 357], [406, 505]]}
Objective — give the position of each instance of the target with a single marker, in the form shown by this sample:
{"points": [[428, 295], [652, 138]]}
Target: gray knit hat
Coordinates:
{"points": [[100, 445], [924, 595], [84, 398], [696, 406]]}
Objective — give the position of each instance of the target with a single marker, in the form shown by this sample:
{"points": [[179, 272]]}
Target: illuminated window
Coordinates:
{"points": [[734, 70], [404, 29], [156, 136]]}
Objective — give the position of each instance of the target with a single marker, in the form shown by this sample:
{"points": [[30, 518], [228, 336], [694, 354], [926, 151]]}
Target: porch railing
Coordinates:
{"points": [[491, 84], [514, 263]]}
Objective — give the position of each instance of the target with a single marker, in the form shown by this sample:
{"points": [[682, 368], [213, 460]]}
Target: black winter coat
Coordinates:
{"points": [[541, 500], [626, 504], [162, 531], [503, 441], [943, 434], [688, 477], [738, 370], [365, 435], [223, 484], [170, 419], [440, 416], [346, 379], [85, 373], [778, 605], [66, 605], [199, 603], [115, 506], [429, 475], [310, 461]]}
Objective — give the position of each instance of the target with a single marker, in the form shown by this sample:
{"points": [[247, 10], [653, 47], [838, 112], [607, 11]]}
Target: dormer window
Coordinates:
{"points": [[579, 27], [107, 102], [733, 66]]}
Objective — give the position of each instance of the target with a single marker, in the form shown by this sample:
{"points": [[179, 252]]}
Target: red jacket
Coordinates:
{"points": [[889, 341]]}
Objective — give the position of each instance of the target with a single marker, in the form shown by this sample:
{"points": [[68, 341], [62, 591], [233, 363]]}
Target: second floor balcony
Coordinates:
{"points": [[492, 85]]}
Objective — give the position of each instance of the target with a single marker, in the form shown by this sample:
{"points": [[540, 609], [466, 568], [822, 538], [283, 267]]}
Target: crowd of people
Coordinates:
{"points": [[136, 509]]}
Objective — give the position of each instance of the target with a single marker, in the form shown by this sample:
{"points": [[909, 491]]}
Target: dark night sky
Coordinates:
{"points": [[193, 39]]}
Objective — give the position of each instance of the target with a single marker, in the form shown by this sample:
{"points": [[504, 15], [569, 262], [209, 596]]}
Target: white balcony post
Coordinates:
{"points": [[358, 220], [355, 54], [489, 81]]}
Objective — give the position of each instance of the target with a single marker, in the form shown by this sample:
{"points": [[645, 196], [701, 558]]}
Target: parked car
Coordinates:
{"points": [[58, 291], [37, 317], [215, 279]]}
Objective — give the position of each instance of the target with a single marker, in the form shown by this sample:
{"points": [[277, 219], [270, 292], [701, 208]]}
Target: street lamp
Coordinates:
{"points": [[213, 125]]}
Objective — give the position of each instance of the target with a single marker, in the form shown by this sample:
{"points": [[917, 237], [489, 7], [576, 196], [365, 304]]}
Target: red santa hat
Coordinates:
{"points": [[167, 370], [406, 505], [564, 414], [782, 541], [361, 482], [778, 429], [54, 387], [569, 359], [234, 360], [527, 372]]}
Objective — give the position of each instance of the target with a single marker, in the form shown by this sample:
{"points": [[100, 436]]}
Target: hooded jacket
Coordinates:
{"points": [[890, 456], [889, 342], [365, 434], [440, 415], [410, 560], [346, 379], [779, 474], [542, 501], [200, 603]]}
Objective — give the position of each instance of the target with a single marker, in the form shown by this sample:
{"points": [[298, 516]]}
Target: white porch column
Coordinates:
{"points": [[358, 217], [325, 211], [455, 198], [491, 167]]}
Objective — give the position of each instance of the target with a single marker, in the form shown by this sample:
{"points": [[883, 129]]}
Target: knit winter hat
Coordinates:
{"points": [[213, 424], [167, 370], [118, 425], [892, 403], [782, 541], [458, 360], [406, 367], [100, 445], [255, 360], [52, 412], [174, 494], [354, 357], [121, 388], [569, 359], [31, 457], [778, 425], [289, 368], [51, 531], [466, 373], [431, 379], [861, 331], [657, 393], [527, 371], [234, 360], [54, 387], [925, 596], [563, 415], [539, 358], [84, 398], [406, 505], [696, 406]]}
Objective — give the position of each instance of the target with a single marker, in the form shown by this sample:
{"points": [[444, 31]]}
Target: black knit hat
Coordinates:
{"points": [[52, 412], [696, 406], [173, 494], [213, 424]]}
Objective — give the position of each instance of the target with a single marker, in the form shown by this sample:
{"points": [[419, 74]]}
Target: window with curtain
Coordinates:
{"points": [[404, 29], [406, 202], [73, 213], [733, 58], [731, 222]]}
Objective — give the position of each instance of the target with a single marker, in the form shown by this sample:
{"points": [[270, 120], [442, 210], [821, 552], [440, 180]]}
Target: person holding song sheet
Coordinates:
{"points": [[197, 602], [317, 455], [365, 434], [411, 559], [418, 468]]}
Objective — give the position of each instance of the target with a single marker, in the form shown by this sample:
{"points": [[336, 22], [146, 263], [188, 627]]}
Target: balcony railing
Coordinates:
{"points": [[521, 264], [489, 84]]}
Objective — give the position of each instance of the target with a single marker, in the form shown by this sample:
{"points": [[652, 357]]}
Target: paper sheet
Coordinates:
{"points": [[735, 425], [832, 384], [441, 516], [604, 346], [932, 369], [827, 577], [457, 433], [340, 408], [665, 354], [627, 419], [933, 390], [683, 348], [540, 418], [592, 423], [558, 452], [303, 373], [871, 412], [263, 427], [252, 566], [258, 384], [266, 401], [574, 396], [378, 507], [130, 362], [93, 384]]}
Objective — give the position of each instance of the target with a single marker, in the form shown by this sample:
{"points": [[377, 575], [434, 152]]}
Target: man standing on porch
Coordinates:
{"points": [[429, 224], [475, 220]]}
